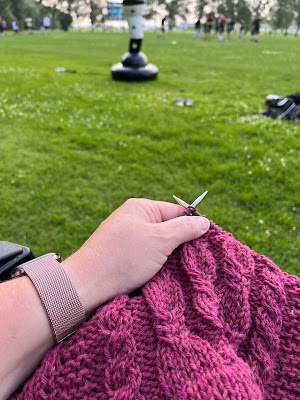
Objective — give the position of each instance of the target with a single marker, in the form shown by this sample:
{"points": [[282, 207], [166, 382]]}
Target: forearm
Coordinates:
{"points": [[25, 333]]}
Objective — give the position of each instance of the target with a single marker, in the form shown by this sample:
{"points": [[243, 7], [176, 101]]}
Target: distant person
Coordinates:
{"points": [[46, 23], [216, 24], [0, 25], [28, 25], [3, 26], [221, 26], [163, 27], [242, 27], [251, 30], [255, 27], [197, 28], [256, 23], [207, 27], [42, 28], [230, 28], [15, 27]]}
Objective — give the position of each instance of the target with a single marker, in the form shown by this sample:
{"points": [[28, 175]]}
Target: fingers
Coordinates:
{"points": [[183, 229], [153, 211], [174, 230], [166, 211]]}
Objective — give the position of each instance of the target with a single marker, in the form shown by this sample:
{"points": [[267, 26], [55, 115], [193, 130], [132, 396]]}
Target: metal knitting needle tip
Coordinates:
{"points": [[181, 202], [197, 201]]}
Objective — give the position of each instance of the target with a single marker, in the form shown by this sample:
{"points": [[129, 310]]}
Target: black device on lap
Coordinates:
{"points": [[12, 255]]}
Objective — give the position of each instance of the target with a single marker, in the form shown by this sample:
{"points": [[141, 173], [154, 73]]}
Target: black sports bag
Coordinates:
{"points": [[283, 107]]}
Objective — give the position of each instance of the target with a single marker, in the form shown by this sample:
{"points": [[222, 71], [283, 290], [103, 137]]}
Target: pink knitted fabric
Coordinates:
{"points": [[217, 322]]}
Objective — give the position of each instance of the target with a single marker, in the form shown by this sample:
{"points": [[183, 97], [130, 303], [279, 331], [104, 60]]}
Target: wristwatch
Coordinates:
{"points": [[59, 297]]}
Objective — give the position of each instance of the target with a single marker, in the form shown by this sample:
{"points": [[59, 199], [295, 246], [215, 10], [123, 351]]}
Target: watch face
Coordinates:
{"points": [[19, 270]]}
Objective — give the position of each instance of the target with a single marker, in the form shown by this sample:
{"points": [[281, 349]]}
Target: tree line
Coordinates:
{"points": [[280, 14], [21, 9]]}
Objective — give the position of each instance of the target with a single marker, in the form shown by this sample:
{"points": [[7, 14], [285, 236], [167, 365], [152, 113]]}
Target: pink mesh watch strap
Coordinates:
{"points": [[59, 297]]}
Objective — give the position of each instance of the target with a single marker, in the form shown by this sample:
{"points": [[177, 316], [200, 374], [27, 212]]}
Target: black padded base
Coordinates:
{"points": [[121, 73]]}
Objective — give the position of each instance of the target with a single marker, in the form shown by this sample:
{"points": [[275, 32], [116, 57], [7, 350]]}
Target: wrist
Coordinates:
{"points": [[57, 294], [89, 279]]}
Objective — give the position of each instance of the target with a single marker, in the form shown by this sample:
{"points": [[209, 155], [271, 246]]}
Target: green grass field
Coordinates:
{"points": [[76, 146]]}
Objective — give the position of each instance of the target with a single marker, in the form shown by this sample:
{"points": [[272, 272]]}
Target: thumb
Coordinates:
{"points": [[183, 229]]}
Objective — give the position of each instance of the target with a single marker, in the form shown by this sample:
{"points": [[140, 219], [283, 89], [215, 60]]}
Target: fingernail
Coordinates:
{"points": [[204, 222]]}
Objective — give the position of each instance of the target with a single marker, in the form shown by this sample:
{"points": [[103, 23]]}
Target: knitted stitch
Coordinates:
{"points": [[217, 322]]}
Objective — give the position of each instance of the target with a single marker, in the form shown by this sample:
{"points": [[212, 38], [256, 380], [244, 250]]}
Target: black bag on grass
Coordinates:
{"points": [[283, 107]]}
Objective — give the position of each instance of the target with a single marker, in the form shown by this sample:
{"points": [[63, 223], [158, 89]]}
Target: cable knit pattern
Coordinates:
{"points": [[217, 322]]}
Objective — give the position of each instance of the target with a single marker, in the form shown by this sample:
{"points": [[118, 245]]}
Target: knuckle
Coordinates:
{"points": [[131, 203], [134, 201]]}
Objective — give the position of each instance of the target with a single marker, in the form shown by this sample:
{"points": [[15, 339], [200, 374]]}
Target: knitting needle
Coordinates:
{"points": [[197, 201], [181, 202], [190, 209]]}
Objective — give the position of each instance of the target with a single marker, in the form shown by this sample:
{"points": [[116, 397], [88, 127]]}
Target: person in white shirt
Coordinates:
{"points": [[28, 25], [15, 26], [46, 22]]}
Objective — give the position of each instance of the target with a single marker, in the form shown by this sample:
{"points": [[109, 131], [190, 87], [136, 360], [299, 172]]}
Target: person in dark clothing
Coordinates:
{"points": [[251, 29], [242, 27], [163, 27], [3, 26], [207, 27], [220, 26], [230, 28], [255, 27], [197, 28]]}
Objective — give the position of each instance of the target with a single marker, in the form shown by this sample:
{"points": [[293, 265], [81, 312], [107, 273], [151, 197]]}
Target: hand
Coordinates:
{"points": [[129, 248]]}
